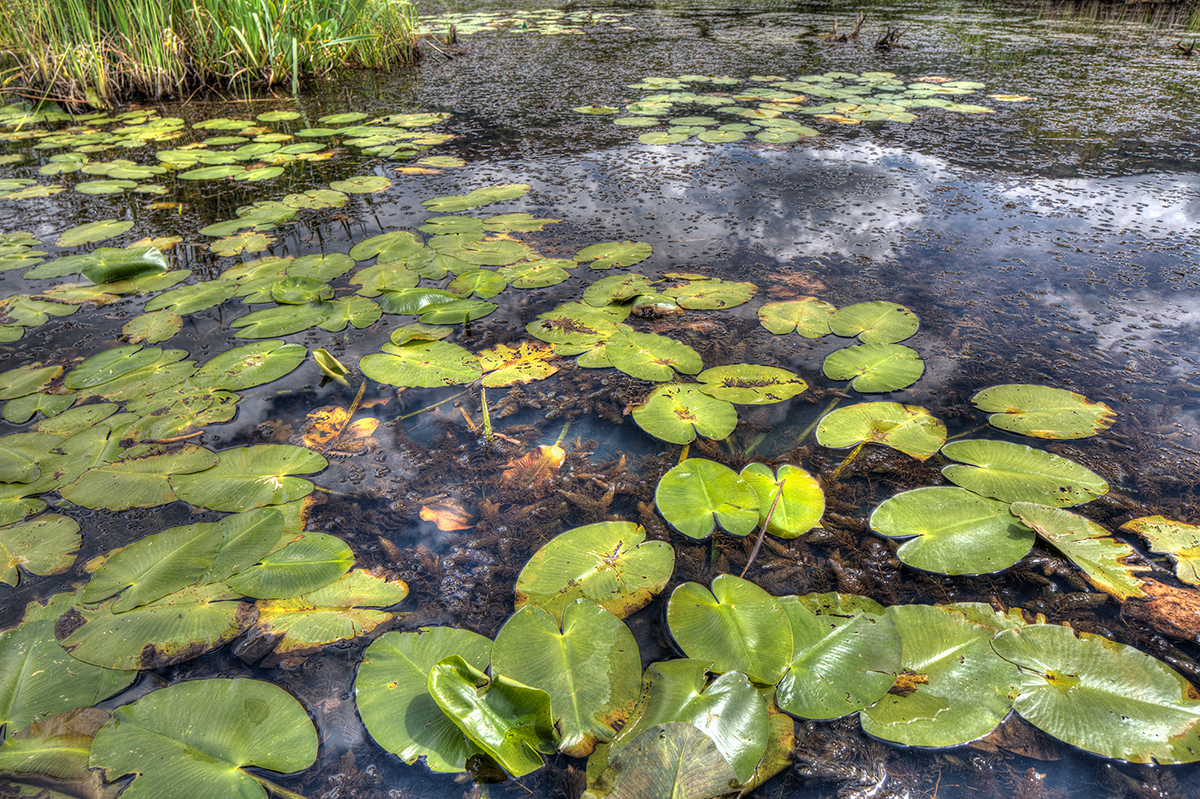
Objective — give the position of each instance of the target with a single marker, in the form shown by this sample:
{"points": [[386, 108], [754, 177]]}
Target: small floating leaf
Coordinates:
{"points": [[608, 254], [679, 412], [365, 184], [799, 507], [907, 428], [484, 196], [1043, 412], [697, 495], [1017, 473], [877, 322], [153, 327], [875, 367], [750, 384], [809, 317]]}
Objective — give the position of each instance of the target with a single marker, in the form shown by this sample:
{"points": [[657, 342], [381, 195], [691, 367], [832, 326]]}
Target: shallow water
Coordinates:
{"points": [[1052, 242]]}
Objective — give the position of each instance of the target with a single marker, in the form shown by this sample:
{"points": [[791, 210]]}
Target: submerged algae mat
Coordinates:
{"points": [[286, 422]]}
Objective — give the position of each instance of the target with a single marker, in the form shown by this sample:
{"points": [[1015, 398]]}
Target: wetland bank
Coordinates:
{"points": [[312, 374]]}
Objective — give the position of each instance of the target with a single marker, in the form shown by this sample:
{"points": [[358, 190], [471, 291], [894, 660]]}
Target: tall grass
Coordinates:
{"points": [[101, 51]]}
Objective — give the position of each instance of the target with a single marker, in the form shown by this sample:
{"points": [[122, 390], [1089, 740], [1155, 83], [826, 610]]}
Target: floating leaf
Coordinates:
{"points": [[809, 317], [697, 495], [20, 454], [650, 356], [28, 379], [482, 283], [1178, 541], [1043, 412], [907, 428], [45, 545], [609, 563], [1102, 696], [137, 482], [250, 477], [243, 242], [312, 562], [608, 254], [799, 507], [846, 655], [448, 516], [736, 626], [422, 363], [392, 694], [617, 288], [875, 367], [878, 322], [538, 274], [365, 184], [195, 739], [679, 412], [153, 327], [504, 365], [750, 384], [712, 294], [509, 721], [665, 761], [300, 290], [250, 365], [1088, 545], [108, 265], [484, 196], [1017, 473], [957, 531], [92, 232], [590, 667], [57, 747]]}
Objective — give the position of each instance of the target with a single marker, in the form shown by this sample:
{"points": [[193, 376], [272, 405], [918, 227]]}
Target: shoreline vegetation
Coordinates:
{"points": [[100, 52]]}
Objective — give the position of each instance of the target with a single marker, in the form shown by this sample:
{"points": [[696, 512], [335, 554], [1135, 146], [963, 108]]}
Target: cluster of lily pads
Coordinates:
{"points": [[244, 149], [719, 109], [546, 21]]}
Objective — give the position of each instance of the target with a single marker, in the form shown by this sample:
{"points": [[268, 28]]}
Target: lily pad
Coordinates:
{"points": [[697, 495], [92, 232], [422, 363], [878, 322], [679, 412], [797, 509], [1088, 545], [504, 365], [665, 761], [137, 482], [1043, 412], [1017, 473], [195, 739], [392, 694], [751, 384], [609, 563], [473, 199], [589, 666], [28, 379], [957, 531], [364, 184], [712, 294], [736, 626], [313, 562], [608, 254], [538, 274], [250, 365], [845, 656], [1178, 541], [153, 327], [875, 367], [43, 545], [809, 317], [650, 356], [250, 477], [482, 283]]}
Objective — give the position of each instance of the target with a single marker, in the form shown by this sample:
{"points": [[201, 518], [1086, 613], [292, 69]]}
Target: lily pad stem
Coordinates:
{"points": [[833, 478], [431, 407], [276, 790], [972, 431], [808, 430], [562, 434], [763, 532], [683, 453], [487, 419]]}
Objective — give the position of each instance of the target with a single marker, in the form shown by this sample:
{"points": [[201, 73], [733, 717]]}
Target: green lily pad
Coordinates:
{"points": [[574, 328], [392, 276], [1178, 541], [609, 563], [665, 761], [650, 356], [250, 365], [92, 232], [482, 283], [212, 172], [456, 312], [809, 317], [20, 454], [364, 184], [153, 327], [679, 412], [242, 242], [250, 477], [712, 294], [509, 721], [1102, 696], [726, 708], [736, 627], [392, 694], [660, 137], [1017, 473], [589, 666], [608, 254], [419, 332], [697, 495], [845, 656], [137, 482], [537, 274], [957, 531], [598, 110], [505, 366], [414, 300], [282, 320], [878, 322], [478, 197], [196, 738], [750, 384], [316, 199], [278, 116], [28, 379], [22, 409], [961, 689], [178, 627], [514, 223], [1043, 412], [720, 136], [194, 298], [422, 363], [775, 136], [300, 290], [1088, 545], [797, 509], [635, 122], [43, 545], [875, 367], [313, 562]]}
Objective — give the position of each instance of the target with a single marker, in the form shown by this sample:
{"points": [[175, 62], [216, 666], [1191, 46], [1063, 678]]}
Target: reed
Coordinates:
{"points": [[98, 52]]}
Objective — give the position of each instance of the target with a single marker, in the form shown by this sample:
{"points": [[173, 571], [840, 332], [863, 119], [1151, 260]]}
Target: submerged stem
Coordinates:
{"points": [[562, 434], [763, 532], [431, 407], [833, 478], [276, 790], [808, 430]]}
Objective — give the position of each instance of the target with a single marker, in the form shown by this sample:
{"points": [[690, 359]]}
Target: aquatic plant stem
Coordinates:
{"points": [[487, 419], [808, 430], [763, 532], [972, 431], [683, 453], [431, 407], [562, 434], [841, 467], [276, 790]]}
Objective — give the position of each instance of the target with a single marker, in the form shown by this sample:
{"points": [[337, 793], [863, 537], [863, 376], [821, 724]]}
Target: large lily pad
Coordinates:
{"points": [[956, 531], [504, 365], [20, 454], [698, 494], [314, 561], [709, 295], [422, 363], [509, 721], [751, 384], [1017, 473], [250, 365], [792, 497], [845, 655], [878, 322], [45, 545], [907, 428], [650, 356], [665, 761], [137, 482], [1103, 696], [875, 367], [609, 563], [589, 666], [1043, 412], [736, 626], [92, 232], [1088, 545], [25, 380], [392, 694], [195, 739], [250, 477], [679, 412]]}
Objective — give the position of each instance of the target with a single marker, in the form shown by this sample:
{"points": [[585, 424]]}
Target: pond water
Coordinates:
{"points": [[1047, 237]]}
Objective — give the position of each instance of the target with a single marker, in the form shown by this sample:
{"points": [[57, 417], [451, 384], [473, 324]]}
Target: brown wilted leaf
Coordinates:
{"points": [[357, 437], [448, 516], [323, 426], [933, 79], [534, 467]]}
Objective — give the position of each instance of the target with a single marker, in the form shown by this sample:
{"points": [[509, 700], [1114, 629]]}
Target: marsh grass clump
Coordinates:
{"points": [[97, 53]]}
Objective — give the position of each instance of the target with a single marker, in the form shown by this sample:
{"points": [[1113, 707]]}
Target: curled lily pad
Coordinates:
{"points": [[875, 367], [736, 626], [907, 428], [108, 265], [1043, 412], [791, 497], [25, 380], [679, 412], [809, 317], [1017, 473], [750, 384], [956, 531], [697, 495], [609, 563], [878, 322]]}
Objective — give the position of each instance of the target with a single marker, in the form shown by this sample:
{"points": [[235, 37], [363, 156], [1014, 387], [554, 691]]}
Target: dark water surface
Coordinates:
{"points": [[1052, 242]]}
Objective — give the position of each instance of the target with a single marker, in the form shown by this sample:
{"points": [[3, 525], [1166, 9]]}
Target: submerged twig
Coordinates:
{"points": [[763, 532]]}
